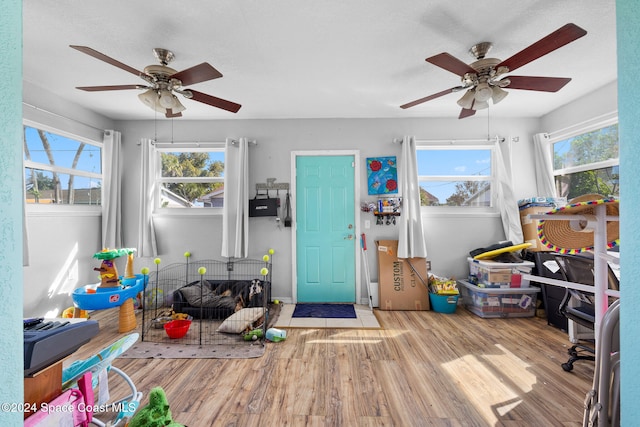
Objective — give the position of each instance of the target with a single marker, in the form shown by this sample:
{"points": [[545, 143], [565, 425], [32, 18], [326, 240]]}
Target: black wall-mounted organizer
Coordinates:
{"points": [[265, 203], [385, 209]]}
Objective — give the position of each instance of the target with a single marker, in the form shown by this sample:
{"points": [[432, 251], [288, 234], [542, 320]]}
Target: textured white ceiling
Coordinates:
{"points": [[310, 58]]}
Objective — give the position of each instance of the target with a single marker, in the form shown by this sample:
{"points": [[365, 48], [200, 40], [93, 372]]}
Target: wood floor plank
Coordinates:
{"points": [[422, 369]]}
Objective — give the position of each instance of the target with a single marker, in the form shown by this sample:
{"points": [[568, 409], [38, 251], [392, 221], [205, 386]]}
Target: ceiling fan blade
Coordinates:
{"points": [[450, 63], [466, 112], [107, 59], [543, 84], [214, 101], [170, 114], [115, 87], [427, 98], [197, 74], [562, 36]]}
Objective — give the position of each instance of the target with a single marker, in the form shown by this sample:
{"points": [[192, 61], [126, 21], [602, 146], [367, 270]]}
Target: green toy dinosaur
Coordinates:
{"points": [[156, 413]]}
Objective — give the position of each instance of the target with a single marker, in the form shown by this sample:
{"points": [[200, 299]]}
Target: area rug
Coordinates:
{"points": [[327, 311], [155, 350]]}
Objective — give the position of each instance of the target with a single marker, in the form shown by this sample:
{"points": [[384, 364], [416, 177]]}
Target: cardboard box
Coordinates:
{"points": [[399, 286], [530, 226]]}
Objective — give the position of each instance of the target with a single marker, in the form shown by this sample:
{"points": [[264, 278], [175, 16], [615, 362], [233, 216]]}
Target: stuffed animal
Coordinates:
{"points": [[156, 413]]}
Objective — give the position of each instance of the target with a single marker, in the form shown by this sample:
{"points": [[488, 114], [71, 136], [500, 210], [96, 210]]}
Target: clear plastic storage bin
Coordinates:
{"points": [[492, 274], [498, 302]]}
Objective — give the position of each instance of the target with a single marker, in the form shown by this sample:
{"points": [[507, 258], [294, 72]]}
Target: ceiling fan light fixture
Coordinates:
{"points": [[467, 99], [163, 82], [149, 98], [487, 77], [483, 92], [161, 101], [166, 99], [501, 83], [480, 105], [177, 106], [498, 94]]}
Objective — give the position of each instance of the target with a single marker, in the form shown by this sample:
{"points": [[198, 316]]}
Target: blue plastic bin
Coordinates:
{"points": [[443, 303]]}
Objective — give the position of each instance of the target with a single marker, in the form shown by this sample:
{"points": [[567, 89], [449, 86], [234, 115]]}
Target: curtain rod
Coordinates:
{"points": [[153, 141], [250, 141], [453, 141], [197, 143], [62, 117]]}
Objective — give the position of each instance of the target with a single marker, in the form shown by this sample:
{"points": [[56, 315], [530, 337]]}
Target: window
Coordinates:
{"points": [[587, 163], [455, 175], [62, 170], [190, 175]]}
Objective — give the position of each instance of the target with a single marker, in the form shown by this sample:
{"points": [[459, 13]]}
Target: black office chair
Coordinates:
{"points": [[579, 306]]}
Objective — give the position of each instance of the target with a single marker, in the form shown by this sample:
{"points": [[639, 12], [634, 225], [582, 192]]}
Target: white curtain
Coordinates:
{"points": [[543, 165], [411, 243], [111, 190], [147, 246], [235, 219], [507, 202]]}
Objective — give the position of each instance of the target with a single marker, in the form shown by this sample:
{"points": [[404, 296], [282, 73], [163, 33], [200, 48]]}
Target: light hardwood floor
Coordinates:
{"points": [[421, 369]]}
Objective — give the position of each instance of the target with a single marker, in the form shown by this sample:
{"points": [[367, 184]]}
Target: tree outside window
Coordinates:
{"points": [[588, 163], [191, 178], [61, 169]]}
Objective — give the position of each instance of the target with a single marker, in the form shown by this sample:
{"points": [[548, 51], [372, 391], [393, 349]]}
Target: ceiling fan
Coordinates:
{"points": [[486, 78], [162, 82]]}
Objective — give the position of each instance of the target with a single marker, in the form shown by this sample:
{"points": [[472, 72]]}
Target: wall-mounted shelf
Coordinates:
{"points": [[271, 185]]}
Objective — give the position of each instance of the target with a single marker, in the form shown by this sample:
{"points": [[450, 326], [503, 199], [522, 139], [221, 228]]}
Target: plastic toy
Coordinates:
{"points": [[113, 290], [69, 312], [253, 335], [276, 335], [156, 413], [108, 271]]}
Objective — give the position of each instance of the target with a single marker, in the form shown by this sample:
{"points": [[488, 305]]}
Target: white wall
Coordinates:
{"points": [[45, 108], [449, 237], [602, 102], [61, 241], [60, 259]]}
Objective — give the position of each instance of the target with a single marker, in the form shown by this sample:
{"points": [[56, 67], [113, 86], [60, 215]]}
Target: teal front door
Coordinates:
{"points": [[325, 229]]}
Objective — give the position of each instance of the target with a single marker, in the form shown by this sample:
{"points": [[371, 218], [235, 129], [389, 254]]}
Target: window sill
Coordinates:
{"points": [[47, 210], [459, 212], [187, 212]]}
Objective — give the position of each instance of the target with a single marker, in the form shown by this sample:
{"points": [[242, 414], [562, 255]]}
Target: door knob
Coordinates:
{"points": [[349, 237]]}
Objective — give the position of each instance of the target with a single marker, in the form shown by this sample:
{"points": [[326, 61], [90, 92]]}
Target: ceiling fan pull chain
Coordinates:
{"points": [[488, 125]]}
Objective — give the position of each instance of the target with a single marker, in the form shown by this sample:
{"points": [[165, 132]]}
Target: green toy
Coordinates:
{"points": [[156, 413], [253, 335]]}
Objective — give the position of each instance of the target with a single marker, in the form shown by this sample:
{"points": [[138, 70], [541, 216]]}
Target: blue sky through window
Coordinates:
{"points": [[454, 162], [451, 163], [63, 150]]}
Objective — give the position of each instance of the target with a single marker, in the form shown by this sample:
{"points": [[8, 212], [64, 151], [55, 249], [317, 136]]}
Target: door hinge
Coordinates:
{"points": [[353, 164]]}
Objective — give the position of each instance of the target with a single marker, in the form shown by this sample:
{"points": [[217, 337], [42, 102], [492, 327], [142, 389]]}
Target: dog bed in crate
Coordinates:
{"points": [[218, 299]]}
